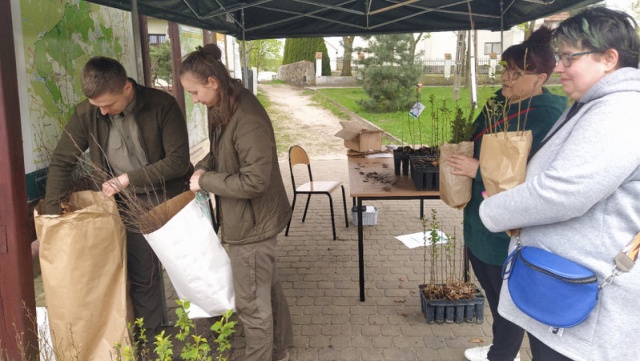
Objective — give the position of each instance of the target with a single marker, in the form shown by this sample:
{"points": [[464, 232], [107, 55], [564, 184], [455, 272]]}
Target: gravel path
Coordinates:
{"points": [[298, 121]]}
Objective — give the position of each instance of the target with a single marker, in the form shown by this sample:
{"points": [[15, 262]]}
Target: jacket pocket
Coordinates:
{"points": [[587, 329], [238, 219]]}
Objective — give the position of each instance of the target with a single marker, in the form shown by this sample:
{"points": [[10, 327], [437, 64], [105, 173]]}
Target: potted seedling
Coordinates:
{"points": [[446, 295], [425, 161]]}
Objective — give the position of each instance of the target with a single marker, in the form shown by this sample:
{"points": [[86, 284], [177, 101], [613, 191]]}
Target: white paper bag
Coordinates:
{"points": [[190, 251], [47, 352]]}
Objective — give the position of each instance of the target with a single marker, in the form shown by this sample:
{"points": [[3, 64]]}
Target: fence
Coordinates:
{"points": [[429, 66]]}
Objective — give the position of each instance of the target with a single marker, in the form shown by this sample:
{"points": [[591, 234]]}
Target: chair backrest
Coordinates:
{"points": [[297, 155]]}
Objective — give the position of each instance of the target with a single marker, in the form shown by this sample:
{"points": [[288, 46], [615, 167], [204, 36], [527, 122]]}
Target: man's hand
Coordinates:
{"points": [[115, 185], [195, 179]]}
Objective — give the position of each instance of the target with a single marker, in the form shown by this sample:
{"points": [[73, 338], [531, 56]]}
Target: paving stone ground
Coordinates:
{"points": [[320, 279]]}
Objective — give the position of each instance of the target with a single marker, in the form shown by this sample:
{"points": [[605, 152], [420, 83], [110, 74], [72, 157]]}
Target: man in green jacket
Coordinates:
{"points": [[138, 143]]}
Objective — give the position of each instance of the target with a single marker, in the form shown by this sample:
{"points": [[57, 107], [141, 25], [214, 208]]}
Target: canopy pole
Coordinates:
{"points": [[245, 70], [137, 42], [501, 27], [472, 60], [17, 295]]}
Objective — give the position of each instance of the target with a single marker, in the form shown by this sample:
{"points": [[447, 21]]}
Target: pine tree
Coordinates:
{"points": [[390, 74]]}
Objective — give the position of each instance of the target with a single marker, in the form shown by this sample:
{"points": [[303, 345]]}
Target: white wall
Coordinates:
{"points": [[157, 26], [435, 46]]}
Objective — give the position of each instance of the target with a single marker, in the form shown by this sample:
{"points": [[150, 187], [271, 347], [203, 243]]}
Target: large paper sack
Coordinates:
{"points": [[455, 190], [503, 160], [190, 251], [83, 263]]}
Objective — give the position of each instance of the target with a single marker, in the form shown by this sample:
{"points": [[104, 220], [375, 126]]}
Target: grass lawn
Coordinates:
{"points": [[400, 123]]}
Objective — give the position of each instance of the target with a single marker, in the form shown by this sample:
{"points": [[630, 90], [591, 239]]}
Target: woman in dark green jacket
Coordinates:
{"points": [[242, 170], [528, 66]]}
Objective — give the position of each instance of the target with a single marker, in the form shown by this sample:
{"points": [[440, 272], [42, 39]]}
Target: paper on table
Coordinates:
{"points": [[415, 240], [379, 155]]}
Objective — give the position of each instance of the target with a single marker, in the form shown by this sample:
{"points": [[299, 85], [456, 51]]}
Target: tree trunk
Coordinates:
{"points": [[530, 28], [347, 43], [414, 45]]}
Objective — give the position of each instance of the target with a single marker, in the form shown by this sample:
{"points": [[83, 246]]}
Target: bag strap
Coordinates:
{"points": [[625, 260], [574, 109], [500, 122], [507, 266]]}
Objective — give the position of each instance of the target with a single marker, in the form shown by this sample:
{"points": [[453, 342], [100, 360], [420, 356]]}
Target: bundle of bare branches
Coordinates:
{"points": [[141, 209]]}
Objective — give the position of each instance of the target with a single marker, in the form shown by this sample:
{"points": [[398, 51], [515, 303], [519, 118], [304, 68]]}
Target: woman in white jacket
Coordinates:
{"points": [[581, 196]]}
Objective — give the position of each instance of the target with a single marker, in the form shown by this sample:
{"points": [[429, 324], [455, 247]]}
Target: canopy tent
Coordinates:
{"points": [[268, 19]]}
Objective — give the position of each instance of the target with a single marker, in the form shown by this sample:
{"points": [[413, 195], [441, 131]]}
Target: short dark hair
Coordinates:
{"points": [[102, 75], [534, 55], [599, 29]]}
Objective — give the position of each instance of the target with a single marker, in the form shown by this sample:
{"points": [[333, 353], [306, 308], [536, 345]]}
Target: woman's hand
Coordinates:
{"points": [[194, 182], [463, 165]]}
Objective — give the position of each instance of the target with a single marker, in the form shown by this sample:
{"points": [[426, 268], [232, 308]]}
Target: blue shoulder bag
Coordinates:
{"points": [[554, 290]]}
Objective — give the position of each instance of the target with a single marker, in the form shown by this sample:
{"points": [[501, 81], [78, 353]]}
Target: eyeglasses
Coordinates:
{"points": [[567, 58], [514, 74]]}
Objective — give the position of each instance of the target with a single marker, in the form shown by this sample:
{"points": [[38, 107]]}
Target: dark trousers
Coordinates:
{"points": [[542, 352], [145, 289], [507, 336]]}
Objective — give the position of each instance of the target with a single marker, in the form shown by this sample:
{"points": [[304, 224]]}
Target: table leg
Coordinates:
{"points": [[421, 208], [360, 249], [465, 253]]}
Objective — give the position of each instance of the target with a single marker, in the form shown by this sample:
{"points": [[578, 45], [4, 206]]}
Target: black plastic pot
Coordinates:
{"points": [[425, 175], [400, 161], [458, 311]]}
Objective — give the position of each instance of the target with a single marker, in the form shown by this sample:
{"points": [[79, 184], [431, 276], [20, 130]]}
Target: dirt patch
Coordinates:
{"points": [[297, 121]]}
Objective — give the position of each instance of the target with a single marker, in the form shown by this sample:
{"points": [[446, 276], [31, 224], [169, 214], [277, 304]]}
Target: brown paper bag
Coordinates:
{"points": [[83, 261], [503, 160], [455, 190]]}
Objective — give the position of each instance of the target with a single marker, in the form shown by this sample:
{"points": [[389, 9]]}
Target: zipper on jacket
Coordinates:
{"points": [[253, 213]]}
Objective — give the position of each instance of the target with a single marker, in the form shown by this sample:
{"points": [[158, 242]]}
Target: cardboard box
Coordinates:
{"points": [[360, 139]]}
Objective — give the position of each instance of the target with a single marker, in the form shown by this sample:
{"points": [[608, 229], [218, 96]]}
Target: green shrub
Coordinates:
{"points": [[195, 346]]}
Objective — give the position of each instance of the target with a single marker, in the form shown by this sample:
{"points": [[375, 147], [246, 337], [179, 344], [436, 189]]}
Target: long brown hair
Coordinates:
{"points": [[206, 62]]}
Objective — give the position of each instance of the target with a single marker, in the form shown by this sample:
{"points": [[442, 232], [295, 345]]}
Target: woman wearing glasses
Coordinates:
{"points": [[526, 101], [580, 197]]}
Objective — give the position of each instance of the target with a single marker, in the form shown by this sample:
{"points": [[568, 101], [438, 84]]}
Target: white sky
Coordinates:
{"points": [[335, 49], [624, 5]]}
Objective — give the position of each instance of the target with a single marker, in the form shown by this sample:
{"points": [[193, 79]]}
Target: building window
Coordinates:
{"points": [[157, 39], [492, 48]]}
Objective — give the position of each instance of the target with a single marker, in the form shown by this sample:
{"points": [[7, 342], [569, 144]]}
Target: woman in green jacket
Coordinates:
{"points": [[242, 170], [528, 67]]}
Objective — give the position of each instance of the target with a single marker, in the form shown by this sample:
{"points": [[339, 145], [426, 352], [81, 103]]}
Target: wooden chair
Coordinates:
{"points": [[297, 155]]}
